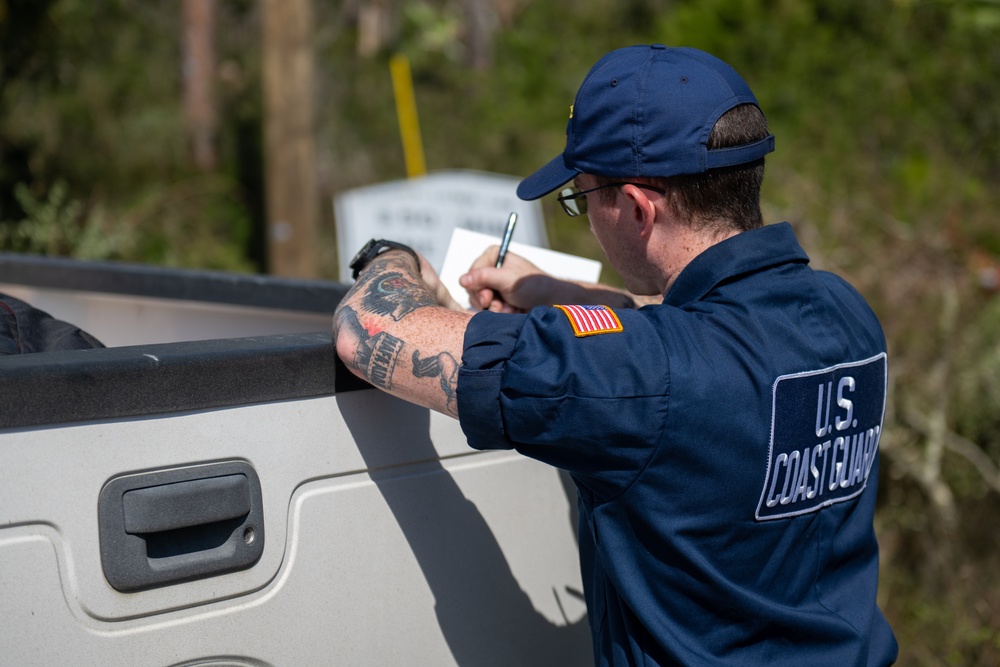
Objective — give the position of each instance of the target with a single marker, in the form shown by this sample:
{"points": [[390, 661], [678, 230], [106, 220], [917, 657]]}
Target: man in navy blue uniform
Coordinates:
{"points": [[721, 418]]}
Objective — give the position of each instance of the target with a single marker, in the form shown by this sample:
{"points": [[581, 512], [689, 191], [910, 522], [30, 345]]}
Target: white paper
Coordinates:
{"points": [[466, 246]]}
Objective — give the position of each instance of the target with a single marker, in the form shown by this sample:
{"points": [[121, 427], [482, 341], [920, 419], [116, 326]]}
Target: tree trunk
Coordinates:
{"points": [[200, 115], [289, 138], [480, 30]]}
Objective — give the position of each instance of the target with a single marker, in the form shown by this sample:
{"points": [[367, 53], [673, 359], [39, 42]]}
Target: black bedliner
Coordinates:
{"points": [[244, 289]]}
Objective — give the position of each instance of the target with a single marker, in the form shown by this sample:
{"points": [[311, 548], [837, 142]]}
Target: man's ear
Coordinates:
{"points": [[642, 210]]}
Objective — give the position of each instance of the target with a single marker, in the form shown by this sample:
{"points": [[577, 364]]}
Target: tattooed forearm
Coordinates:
{"points": [[445, 368], [374, 356], [395, 295], [380, 359], [390, 319], [388, 286], [347, 327]]}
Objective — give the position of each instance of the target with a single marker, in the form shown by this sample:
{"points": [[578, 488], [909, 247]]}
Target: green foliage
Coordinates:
{"points": [[978, 386], [432, 34], [91, 119], [54, 226], [886, 114], [186, 224]]}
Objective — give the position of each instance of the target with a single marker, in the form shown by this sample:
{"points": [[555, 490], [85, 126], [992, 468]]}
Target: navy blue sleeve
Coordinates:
{"points": [[595, 406]]}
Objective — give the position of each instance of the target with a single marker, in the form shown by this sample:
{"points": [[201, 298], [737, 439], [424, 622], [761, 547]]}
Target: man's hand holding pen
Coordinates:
{"points": [[517, 287]]}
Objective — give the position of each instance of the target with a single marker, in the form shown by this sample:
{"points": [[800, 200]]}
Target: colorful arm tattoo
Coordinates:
{"points": [[386, 289]]}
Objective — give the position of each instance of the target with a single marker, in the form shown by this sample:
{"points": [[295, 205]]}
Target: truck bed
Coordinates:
{"points": [[378, 536]]}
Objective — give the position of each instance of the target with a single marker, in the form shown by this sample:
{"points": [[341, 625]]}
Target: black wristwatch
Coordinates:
{"points": [[373, 249]]}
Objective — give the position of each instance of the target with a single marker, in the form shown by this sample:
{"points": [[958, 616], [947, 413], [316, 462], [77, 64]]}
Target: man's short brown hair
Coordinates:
{"points": [[721, 199]]}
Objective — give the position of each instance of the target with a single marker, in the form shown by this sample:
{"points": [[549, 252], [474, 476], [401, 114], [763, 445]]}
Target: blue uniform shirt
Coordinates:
{"points": [[724, 445]]}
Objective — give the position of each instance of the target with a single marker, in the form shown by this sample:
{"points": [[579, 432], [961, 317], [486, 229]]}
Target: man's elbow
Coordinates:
{"points": [[345, 340]]}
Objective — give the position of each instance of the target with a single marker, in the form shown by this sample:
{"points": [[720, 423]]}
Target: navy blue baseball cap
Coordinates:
{"points": [[647, 111]]}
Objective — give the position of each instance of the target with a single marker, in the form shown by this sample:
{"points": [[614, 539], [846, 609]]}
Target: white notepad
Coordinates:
{"points": [[466, 246]]}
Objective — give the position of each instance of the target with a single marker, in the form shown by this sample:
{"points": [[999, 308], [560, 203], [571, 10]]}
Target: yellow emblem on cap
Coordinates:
{"points": [[571, 111]]}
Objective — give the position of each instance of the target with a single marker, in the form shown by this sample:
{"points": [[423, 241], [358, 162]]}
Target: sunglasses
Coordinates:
{"points": [[574, 200]]}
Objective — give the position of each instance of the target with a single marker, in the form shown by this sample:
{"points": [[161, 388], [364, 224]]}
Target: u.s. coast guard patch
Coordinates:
{"points": [[591, 320], [825, 428]]}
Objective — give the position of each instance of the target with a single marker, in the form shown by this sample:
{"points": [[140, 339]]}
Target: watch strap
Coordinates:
{"points": [[373, 249]]}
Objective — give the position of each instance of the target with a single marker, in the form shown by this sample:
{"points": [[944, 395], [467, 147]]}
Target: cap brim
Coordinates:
{"points": [[546, 179]]}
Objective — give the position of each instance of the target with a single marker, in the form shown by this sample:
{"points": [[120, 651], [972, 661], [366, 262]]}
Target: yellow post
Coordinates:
{"points": [[406, 111]]}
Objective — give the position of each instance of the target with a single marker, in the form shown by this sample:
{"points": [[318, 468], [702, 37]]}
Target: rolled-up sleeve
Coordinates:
{"points": [[489, 342], [595, 405]]}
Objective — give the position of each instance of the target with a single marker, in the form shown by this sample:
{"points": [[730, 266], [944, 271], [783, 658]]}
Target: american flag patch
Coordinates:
{"points": [[590, 320]]}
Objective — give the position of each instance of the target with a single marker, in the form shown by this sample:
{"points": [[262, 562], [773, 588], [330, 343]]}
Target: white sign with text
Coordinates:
{"points": [[423, 212]]}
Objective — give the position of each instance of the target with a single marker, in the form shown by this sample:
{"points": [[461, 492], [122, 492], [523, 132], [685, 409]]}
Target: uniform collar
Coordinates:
{"points": [[746, 252]]}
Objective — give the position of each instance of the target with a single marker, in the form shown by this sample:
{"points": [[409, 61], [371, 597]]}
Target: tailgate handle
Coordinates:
{"points": [[179, 524], [184, 504]]}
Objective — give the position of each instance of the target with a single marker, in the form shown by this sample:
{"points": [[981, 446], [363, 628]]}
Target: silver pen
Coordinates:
{"points": [[505, 244]]}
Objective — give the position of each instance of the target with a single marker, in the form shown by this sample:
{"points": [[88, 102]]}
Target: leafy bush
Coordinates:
{"points": [[886, 118]]}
